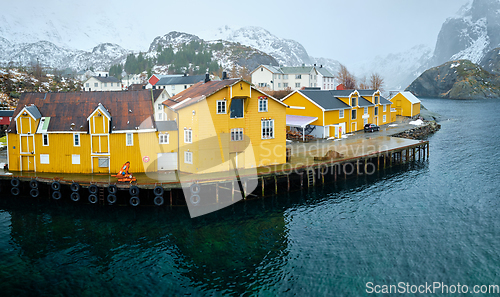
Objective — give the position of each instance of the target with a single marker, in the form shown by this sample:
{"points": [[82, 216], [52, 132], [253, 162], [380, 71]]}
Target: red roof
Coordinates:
{"points": [[69, 111], [199, 91]]}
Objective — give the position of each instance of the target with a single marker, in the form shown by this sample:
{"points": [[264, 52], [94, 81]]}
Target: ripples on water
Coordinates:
{"points": [[426, 222]]}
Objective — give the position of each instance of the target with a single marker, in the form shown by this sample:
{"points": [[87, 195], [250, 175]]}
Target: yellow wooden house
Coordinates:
{"points": [[406, 104], [336, 112], [228, 124], [86, 132]]}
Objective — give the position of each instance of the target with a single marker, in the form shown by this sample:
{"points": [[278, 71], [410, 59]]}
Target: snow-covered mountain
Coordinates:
{"points": [[286, 51], [473, 32]]}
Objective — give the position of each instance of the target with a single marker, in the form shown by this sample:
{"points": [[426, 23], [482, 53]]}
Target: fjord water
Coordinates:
{"points": [[432, 221]]}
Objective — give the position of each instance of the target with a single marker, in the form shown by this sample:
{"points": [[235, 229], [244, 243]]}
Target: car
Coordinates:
{"points": [[371, 128]]}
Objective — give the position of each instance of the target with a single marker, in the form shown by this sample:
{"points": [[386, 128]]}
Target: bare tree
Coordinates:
{"points": [[346, 78], [363, 84], [376, 81]]}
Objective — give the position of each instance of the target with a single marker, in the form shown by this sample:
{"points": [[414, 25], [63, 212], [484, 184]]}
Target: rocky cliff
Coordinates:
{"points": [[460, 79]]}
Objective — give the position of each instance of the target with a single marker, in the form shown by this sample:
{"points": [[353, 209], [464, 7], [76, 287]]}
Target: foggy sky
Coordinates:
{"points": [[346, 30]]}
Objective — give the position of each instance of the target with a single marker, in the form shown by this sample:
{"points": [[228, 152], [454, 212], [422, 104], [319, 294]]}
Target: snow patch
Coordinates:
{"points": [[417, 122]]}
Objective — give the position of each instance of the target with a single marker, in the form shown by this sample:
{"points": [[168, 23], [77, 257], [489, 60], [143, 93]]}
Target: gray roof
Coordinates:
{"points": [[6, 113], [362, 102], [342, 93], [273, 69], [180, 80], [324, 71], [34, 111], [106, 79], [384, 101], [166, 126], [325, 98], [297, 70], [366, 92]]}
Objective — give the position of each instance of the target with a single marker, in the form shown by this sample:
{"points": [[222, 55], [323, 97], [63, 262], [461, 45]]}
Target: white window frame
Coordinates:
{"points": [[384, 118], [160, 116], [222, 103], [44, 159], [377, 99], [45, 136], [188, 157], [188, 135], [375, 112], [365, 110], [298, 76], [237, 134], [355, 113], [76, 139], [75, 159], [341, 114], [267, 124], [96, 85], [297, 85], [129, 141], [385, 108], [163, 138], [264, 102], [285, 85]]}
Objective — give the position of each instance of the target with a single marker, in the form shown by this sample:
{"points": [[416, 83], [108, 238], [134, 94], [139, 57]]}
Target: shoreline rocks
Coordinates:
{"points": [[420, 132]]}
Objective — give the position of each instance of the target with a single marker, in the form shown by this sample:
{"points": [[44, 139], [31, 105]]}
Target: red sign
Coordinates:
{"points": [[153, 80]]}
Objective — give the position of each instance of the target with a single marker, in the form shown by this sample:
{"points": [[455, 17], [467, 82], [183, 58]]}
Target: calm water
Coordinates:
{"points": [[436, 221]]}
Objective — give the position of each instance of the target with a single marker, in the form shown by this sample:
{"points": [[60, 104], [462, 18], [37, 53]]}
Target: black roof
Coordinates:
{"points": [[341, 93], [326, 99]]}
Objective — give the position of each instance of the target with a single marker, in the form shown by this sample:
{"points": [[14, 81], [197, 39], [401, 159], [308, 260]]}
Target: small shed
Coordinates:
{"points": [[406, 104]]}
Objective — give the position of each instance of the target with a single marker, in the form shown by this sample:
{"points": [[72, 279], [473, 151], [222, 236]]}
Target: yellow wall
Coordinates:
{"points": [[211, 145], [404, 107], [311, 109]]}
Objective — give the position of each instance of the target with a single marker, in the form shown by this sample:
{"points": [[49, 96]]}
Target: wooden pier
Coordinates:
{"points": [[361, 156]]}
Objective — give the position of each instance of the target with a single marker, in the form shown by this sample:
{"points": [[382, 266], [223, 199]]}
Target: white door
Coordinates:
{"points": [[327, 132], [167, 161]]}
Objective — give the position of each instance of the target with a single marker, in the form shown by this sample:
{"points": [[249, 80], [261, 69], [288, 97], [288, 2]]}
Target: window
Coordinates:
{"points": [[45, 138], [353, 114], [262, 104], [221, 106], [44, 159], [76, 139], [160, 116], [111, 84], [87, 85], [267, 129], [353, 101], [279, 85], [185, 87], [129, 139], [285, 76], [188, 157], [163, 138], [376, 110], [103, 162], [160, 107], [173, 87], [297, 85], [237, 134], [298, 76], [376, 99], [262, 69], [96, 85], [75, 159], [188, 135], [341, 114], [366, 110], [384, 108], [383, 118], [236, 108], [262, 85], [285, 85], [365, 121]]}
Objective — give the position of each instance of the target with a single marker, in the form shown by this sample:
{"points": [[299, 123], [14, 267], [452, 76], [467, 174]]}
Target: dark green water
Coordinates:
{"points": [[434, 221]]}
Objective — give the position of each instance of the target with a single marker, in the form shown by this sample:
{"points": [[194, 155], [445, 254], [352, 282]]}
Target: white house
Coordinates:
{"points": [[102, 83], [325, 79], [283, 78], [174, 83], [132, 79]]}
